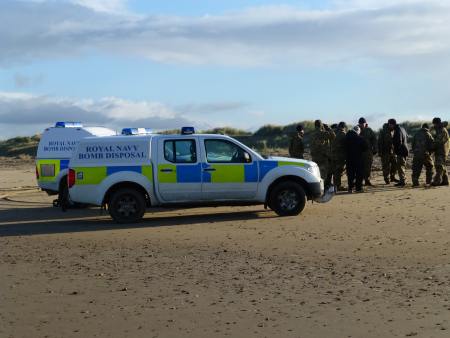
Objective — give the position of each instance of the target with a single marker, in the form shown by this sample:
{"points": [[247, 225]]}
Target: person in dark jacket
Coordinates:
{"points": [[355, 147], [400, 149]]}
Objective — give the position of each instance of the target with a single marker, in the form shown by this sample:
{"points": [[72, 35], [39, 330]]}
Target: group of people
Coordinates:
{"points": [[337, 149]]}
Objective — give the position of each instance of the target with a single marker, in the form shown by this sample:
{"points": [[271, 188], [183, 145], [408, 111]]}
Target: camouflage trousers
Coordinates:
{"points": [[401, 167], [367, 164], [389, 166], [324, 164], [338, 170], [441, 169], [420, 161]]}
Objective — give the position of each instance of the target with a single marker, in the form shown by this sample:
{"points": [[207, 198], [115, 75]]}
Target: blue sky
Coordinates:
{"points": [[162, 64]]}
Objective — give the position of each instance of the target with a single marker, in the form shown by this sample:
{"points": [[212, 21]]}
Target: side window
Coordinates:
{"points": [[222, 151], [180, 151]]}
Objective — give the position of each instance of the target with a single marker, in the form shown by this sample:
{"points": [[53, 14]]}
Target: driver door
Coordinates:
{"points": [[228, 171]]}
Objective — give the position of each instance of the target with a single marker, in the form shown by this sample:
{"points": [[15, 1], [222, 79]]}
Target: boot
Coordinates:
{"points": [[393, 179], [368, 183], [401, 183], [444, 181], [415, 184], [387, 181]]}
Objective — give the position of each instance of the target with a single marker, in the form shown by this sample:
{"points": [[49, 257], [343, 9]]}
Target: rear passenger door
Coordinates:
{"points": [[229, 171], [179, 175]]}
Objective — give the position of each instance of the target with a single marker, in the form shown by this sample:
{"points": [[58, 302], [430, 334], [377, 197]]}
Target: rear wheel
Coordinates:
{"points": [[127, 205], [287, 198]]}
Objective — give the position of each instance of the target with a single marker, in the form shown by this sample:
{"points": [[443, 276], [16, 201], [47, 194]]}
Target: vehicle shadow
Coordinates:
{"points": [[41, 221]]}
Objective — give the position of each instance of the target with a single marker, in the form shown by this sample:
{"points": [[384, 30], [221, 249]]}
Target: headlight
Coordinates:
{"points": [[314, 169]]}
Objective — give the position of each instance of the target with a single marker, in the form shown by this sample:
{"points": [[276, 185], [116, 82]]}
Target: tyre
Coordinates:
{"points": [[127, 205], [287, 198]]}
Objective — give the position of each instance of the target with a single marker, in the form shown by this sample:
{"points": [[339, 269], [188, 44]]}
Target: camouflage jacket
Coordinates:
{"points": [[296, 146], [385, 144], [338, 144], [441, 142], [320, 142], [422, 142], [371, 139]]}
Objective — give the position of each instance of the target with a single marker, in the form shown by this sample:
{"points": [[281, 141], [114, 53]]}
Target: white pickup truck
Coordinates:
{"points": [[128, 174]]}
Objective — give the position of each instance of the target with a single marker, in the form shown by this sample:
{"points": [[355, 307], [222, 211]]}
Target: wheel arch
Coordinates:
{"points": [[126, 184], [285, 178]]}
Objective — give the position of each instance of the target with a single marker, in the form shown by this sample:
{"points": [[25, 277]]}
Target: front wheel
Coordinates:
{"points": [[127, 206], [287, 198]]}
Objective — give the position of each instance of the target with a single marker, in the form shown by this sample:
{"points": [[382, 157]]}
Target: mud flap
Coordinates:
{"points": [[327, 195]]}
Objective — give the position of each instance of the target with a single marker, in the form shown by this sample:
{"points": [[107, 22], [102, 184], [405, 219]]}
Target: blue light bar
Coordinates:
{"points": [[68, 125], [136, 131], [187, 130]]}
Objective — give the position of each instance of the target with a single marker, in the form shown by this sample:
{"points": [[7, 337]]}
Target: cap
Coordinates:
{"points": [[318, 123], [437, 120], [362, 120], [299, 127], [342, 125], [425, 126], [392, 121]]}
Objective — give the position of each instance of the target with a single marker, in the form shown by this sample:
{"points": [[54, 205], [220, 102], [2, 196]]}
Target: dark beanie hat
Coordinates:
{"points": [[362, 120], [436, 120], [392, 121]]}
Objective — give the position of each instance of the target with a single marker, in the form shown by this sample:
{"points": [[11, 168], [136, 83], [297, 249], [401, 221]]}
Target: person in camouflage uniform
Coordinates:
{"points": [[386, 152], [296, 145], [441, 150], [320, 144], [399, 140], [422, 147], [339, 155], [371, 139]]}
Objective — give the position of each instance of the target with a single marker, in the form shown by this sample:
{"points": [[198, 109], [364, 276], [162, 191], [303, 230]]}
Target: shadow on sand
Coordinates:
{"points": [[26, 221]]}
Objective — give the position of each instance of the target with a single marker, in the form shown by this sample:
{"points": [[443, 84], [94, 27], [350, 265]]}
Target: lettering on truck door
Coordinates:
{"points": [[179, 169], [229, 171]]}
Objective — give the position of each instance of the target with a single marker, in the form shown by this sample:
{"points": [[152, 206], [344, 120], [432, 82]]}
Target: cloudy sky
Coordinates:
{"points": [[164, 64]]}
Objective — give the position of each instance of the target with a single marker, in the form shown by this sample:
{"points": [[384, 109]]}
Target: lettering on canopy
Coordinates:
{"points": [[61, 146], [112, 152]]}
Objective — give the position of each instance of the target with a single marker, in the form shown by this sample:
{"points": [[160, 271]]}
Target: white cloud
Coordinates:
{"points": [[109, 6], [351, 31], [26, 114]]}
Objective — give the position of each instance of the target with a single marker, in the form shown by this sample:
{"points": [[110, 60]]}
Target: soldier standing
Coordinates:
{"points": [[422, 147], [296, 145], [441, 150], [321, 150], [386, 152], [400, 150], [355, 147], [371, 139], [338, 155]]}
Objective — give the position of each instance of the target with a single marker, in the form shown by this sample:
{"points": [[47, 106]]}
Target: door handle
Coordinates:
{"points": [[209, 169], [166, 170]]}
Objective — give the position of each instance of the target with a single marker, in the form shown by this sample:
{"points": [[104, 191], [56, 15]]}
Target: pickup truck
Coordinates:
{"points": [[128, 174]]}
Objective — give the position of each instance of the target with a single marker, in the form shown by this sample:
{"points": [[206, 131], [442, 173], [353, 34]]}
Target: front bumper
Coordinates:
{"points": [[319, 194], [315, 190]]}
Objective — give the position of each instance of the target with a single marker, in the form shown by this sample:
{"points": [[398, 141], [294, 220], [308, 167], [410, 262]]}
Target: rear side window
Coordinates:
{"points": [[180, 151]]}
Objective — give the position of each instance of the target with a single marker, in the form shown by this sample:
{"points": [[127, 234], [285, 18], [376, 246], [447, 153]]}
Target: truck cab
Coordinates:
{"points": [[129, 173]]}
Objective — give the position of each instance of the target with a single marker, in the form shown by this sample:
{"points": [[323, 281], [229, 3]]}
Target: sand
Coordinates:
{"points": [[375, 264]]}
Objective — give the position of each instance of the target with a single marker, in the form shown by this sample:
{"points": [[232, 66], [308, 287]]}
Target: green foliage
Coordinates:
{"points": [[18, 146]]}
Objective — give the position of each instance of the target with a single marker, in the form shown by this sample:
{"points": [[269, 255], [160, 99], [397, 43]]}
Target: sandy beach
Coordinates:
{"points": [[375, 264]]}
